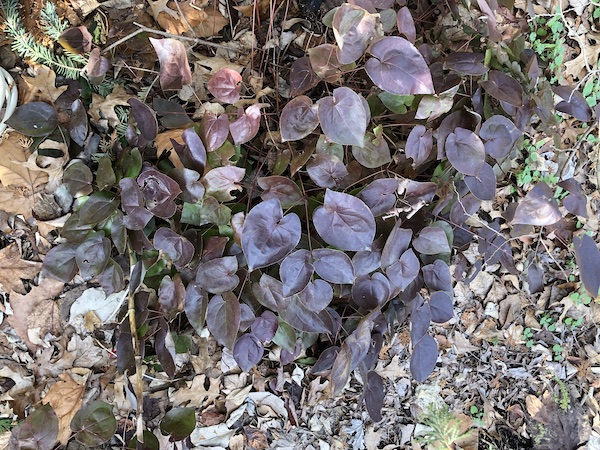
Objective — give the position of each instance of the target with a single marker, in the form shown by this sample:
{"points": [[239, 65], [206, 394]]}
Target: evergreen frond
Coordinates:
{"points": [[68, 64]]}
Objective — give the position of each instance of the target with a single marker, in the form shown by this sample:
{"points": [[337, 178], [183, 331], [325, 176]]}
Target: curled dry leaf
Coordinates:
{"points": [[174, 67]]}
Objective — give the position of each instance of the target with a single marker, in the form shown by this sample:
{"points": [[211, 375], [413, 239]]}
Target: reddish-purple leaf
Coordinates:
{"points": [[195, 306], [178, 248], [431, 241], [298, 119], [404, 270], [268, 236], [60, 262], [406, 24], [76, 40], [396, 244], [281, 188], [374, 395], [353, 28], [503, 87], [97, 66], [500, 135], [35, 119], [223, 318], [353, 351], [333, 265], [246, 126], [464, 208], [145, 118], [265, 327], [316, 296], [466, 63], [483, 185], [93, 255], [112, 278], [78, 123], [423, 358], [587, 256], [574, 103], [220, 181], [365, 262], [398, 67], [214, 130], [345, 222], [132, 202], [343, 117], [38, 431], [193, 153], [380, 195], [419, 145], [324, 62], [539, 207], [437, 276], [246, 317], [171, 294], [370, 292], [576, 201], [158, 191], [189, 182], [300, 316], [225, 85], [268, 292], [465, 151], [165, 349], [247, 351], [174, 67], [326, 170], [218, 275], [302, 76], [295, 272], [440, 304]]}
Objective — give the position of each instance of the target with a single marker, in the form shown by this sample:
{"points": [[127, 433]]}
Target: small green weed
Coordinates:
{"points": [[529, 171], [6, 424], [547, 41], [528, 337], [444, 428]]}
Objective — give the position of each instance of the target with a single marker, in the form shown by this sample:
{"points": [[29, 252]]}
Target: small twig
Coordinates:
{"points": [[139, 386], [144, 29]]}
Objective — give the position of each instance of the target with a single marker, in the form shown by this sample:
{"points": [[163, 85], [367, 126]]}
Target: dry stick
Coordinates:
{"points": [[144, 29], [139, 387]]}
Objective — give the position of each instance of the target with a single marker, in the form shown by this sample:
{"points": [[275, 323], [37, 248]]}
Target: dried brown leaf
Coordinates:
{"points": [[42, 87], [36, 311], [102, 110], [66, 398], [13, 269]]}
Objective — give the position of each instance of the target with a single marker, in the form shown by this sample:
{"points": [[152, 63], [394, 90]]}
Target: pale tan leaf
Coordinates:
{"points": [[13, 269], [163, 144], [196, 394], [42, 87], [102, 110], [533, 404], [213, 24], [14, 151], [36, 310], [66, 398]]}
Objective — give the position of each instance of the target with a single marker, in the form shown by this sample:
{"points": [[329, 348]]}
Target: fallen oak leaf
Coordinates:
{"points": [[102, 110], [32, 311], [13, 269], [66, 398], [42, 87]]}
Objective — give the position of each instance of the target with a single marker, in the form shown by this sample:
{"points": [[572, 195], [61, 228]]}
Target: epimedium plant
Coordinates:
{"points": [[345, 227]]}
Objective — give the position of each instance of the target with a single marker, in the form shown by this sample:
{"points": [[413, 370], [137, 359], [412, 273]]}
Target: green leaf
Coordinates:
{"points": [[105, 176], [178, 423], [98, 207], [34, 119], [94, 424], [131, 163], [78, 179]]}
